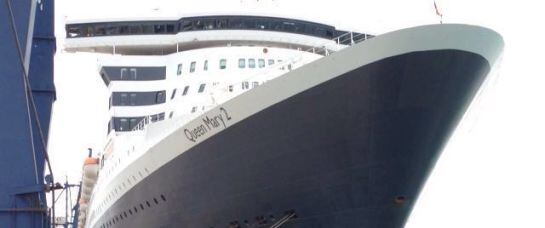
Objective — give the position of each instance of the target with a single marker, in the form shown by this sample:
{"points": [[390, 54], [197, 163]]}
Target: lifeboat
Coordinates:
{"points": [[89, 179]]}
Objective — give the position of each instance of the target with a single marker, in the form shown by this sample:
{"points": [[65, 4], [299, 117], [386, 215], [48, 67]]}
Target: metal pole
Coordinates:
{"points": [[66, 203]]}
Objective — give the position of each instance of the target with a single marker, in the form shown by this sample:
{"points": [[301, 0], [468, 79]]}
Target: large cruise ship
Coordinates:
{"points": [[257, 121]]}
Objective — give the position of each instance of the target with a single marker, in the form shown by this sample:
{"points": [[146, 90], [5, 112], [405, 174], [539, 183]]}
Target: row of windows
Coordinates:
{"points": [[261, 63], [133, 211], [129, 123], [251, 63], [186, 90], [137, 98], [130, 98], [117, 73], [200, 24]]}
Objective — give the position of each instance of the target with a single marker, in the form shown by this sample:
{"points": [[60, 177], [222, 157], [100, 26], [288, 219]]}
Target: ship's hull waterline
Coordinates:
{"points": [[353, 150]]}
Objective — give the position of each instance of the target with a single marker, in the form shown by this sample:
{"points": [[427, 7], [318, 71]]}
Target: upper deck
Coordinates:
{"points": [[168, 36]]}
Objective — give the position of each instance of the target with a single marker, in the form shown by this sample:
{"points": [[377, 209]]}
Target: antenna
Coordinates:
{"points": [[437, 12]]}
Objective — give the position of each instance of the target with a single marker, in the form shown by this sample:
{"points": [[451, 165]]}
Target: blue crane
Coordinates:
{"points": [[27, 93]]}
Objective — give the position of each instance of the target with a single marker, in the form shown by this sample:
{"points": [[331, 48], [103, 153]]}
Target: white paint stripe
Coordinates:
{"points": [[30, 34]]}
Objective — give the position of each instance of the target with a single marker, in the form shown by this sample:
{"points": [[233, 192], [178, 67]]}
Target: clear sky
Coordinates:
{"points": [[492, 172]]}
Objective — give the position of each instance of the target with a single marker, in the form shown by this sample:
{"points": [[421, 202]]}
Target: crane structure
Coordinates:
{"points": [[27, 93]]}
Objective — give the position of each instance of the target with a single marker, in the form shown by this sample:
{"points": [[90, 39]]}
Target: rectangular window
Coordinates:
{"points": [[261, 63], [160, 97], [170, 115], [173, 94], [158, 29], [251, 63], [186, 26], [161, 116], [133, 74], [193, 109], [271, 61], [132, 123], [123, 73], [147, 29], [132, 99], [192, 67], [255, 84], [179, 71], [135, 29], [241, 63], [245, 85], [221, 23], [123, 125], [154, 118], [201, 88], [186, 89], [205, 67], [223, 64], [170, 28], [124, 99], [230, 88]]}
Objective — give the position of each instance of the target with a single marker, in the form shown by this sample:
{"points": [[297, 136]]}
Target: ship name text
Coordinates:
{"points": [[209, 123]]}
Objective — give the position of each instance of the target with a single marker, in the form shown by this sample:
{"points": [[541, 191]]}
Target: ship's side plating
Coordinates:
{"points": [[345, 141]]}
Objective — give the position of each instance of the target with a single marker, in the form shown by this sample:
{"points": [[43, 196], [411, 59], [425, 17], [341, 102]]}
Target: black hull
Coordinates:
{"points": [[354, 151]]}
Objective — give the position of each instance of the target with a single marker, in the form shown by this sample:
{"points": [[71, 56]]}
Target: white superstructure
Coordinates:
{"points": [[177, 75]]}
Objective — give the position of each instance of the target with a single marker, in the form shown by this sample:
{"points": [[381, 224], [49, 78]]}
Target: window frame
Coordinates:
{"points": [[192, 67], [202, 87], [241, 63], [245, 85], [223, 64], [186, 91], [179, 70], [173, 94], [160, 97]]}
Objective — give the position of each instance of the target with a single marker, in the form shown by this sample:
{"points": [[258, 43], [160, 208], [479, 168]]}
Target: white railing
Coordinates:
{"points": [[351, 38], [142, 124]]}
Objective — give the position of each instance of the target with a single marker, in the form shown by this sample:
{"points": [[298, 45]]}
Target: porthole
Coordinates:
{"points": [[399, 200]]}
